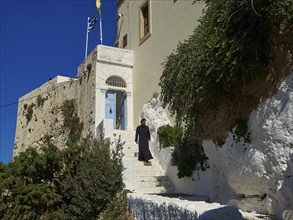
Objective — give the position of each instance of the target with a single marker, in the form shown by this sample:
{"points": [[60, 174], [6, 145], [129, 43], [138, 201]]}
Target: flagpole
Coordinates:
{"points": [[87, 36], [101, 31]]}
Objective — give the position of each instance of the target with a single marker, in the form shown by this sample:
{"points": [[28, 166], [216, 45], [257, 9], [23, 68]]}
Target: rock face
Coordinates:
{"points": [[156, 117], [262, 171], [255, 176]]}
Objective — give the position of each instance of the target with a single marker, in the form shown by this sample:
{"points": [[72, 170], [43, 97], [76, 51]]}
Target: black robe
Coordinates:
{"points": [[143, 136]]}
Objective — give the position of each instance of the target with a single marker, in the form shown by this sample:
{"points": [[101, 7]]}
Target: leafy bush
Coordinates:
{"points": [[170, 136], [74, 183], [117, 208], [234, 44], [189, 156]]}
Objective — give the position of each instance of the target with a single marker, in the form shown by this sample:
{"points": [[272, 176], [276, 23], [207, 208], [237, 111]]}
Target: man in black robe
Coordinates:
{"points": [[142, 138]]}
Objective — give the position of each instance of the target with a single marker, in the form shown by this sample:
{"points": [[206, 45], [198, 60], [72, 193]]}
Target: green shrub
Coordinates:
{"points": [[170, 136], [235, 43], [189, 156], [76, 182], [29, 113], [117, 208]]}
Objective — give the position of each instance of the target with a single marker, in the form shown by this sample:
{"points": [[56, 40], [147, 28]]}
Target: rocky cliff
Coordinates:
{"points": [[253, 176]]}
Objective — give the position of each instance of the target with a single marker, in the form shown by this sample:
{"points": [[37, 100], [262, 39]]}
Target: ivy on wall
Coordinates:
{"points": [[231, 47], [71, 120], [40, 101], [30, 112]]}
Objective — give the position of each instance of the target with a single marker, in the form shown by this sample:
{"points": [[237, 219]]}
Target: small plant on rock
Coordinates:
{"points": [[71, 120], [189, 156], [241, 131], [40, 101], [29, 113], [170, 136]]}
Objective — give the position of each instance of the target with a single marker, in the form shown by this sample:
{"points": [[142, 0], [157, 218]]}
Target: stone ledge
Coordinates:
{"points": [[155, 207]]}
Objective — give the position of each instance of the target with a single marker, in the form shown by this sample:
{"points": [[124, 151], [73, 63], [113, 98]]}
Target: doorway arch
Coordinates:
{"points": [[116, 81], [115, 102]]}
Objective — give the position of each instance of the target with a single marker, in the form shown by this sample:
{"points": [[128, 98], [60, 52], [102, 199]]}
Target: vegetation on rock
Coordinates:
{"points": [[40, 101], [170, 136], [29, 113], [236, 58], [71, 120], [188, 155]]}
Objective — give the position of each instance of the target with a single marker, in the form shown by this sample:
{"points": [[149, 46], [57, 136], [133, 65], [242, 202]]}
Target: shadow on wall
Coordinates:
{"points": [[225, 213], [279, 204]]}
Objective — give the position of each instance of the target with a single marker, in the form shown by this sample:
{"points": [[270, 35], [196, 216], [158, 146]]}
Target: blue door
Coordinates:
{"points": [[110, 106], [123, 120]]}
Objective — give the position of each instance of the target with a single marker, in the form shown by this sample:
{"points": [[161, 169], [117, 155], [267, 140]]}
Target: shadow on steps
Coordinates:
{"points": [[183, 196]]}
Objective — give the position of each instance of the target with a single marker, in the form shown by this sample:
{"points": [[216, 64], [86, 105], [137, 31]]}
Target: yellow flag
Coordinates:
{"points": [[98, 4]]}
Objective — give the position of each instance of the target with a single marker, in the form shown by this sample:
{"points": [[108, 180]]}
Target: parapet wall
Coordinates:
{"points": [[156, 207]]}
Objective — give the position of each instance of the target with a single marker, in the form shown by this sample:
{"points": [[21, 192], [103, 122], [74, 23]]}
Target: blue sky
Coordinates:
{"points": [[39, 40]]}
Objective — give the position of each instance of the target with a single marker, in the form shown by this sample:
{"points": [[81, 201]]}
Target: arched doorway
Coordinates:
{"points": [[115, 102]]}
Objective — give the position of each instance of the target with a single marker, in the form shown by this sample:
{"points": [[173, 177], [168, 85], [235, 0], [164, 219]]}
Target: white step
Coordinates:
{"points": [[138, 176]]}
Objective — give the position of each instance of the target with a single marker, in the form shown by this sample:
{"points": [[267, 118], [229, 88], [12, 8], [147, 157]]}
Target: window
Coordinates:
{"points": [[145, 17], [144, 22], [124, 41], [116, 81]]}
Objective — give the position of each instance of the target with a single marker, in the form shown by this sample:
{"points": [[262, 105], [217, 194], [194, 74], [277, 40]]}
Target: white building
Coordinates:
{"points": [[152, 30]]}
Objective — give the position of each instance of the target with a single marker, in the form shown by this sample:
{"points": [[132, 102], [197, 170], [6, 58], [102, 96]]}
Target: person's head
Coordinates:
{"points": [[142, 121]]}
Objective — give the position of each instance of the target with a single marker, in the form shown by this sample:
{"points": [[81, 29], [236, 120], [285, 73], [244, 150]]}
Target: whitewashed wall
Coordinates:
{"points": [[254, 177]]}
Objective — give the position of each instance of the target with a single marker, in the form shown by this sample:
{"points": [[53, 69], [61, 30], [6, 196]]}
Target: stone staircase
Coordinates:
{"points": [[139, 176]]}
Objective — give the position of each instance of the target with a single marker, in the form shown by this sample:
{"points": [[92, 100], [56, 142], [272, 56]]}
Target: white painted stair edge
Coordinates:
{"points": [[156, 207], [137, 176]]}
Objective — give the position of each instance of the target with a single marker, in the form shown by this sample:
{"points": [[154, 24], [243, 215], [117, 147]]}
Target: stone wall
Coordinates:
{"points": [[39, 114], [47, 118], [87, 92]]}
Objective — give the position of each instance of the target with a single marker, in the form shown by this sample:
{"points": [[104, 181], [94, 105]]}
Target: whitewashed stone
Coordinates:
{"points": [[260, 174], [155, 117], [154, 207], [254, 177], [115, 55]]}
